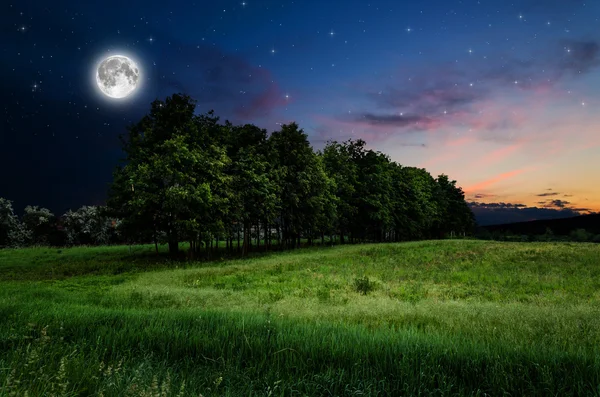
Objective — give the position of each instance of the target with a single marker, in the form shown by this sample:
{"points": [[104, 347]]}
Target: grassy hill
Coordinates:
{"points": [[453, 317]]}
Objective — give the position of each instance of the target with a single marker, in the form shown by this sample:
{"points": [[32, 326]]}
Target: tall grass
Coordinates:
{"points": [[434, 318]]}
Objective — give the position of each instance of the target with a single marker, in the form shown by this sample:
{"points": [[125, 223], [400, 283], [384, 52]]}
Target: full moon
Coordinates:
{"points": [[117, 76]]}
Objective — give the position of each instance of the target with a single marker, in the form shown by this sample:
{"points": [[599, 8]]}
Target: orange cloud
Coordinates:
{"points": [[496, 179]]}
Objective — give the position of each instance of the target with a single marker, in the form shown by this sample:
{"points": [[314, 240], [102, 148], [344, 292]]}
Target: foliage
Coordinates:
{"points": [[12, 232], [581, 235], [363, 285], [42, 225], [88, 226]]}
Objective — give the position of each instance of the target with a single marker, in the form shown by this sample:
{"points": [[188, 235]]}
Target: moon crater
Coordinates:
{"points": [[117, 76]]}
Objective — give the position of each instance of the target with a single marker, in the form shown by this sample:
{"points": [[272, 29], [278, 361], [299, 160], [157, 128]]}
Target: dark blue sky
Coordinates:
{"points": [[499, 95]]}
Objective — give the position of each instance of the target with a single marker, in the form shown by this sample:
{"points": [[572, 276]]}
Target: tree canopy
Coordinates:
{"points": [[188, 178]]}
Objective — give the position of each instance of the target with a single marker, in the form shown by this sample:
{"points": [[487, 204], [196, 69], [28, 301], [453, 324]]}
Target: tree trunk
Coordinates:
{"points": [[322, 238], [257, 236], [192, 251], [246, 240], [267, 236], [173, 247]]}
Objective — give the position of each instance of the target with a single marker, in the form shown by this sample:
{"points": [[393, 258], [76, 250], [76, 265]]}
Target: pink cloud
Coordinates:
{"points": [[498, 178]]}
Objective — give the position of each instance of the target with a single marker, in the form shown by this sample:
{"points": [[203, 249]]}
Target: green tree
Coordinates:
{"points": [[300, 181], [420, 208], [41, 222], [255, 201], [344, 176], [13, 233], [455, 216], [87, 225], [173, 178], [374, 195]]}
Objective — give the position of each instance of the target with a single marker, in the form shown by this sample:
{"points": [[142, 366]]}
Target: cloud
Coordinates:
{"points": [[496, 205], [492, 181], [561, 59], [558, 203], [412, 145], [547, 194], [262, 103], [480, 196], [227, 83], [447, 95], [415, 121], [581, 58], [427, 95]]}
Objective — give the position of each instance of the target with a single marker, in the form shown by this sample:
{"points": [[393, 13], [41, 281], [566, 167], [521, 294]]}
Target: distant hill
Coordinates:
{"points": [[563, 226]]}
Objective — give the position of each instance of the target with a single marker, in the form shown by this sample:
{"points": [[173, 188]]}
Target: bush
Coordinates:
{"points": [[88, 226], [363, 285], [581, 235], [13, 233], [41, 224]]}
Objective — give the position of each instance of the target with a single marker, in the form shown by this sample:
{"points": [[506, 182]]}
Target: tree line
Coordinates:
{"points": [[89, 225], [188, 178]]}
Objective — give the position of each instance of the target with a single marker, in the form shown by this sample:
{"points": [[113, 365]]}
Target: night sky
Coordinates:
{"points": [[502, 96]]}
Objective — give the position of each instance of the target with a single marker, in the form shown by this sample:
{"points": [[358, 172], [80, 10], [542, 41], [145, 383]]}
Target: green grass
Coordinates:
{"points": [[454, 317]]}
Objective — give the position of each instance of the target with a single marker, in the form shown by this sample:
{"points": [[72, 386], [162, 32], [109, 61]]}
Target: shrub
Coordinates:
{"points": [[580, 235], [363, 285], [13, 233]]}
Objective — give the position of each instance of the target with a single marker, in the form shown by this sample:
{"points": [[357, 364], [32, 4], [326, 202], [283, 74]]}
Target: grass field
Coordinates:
{"points": [[455, 317]]}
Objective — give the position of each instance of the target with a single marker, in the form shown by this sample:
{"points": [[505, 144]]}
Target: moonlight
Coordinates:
{"points": [[117, 76]]}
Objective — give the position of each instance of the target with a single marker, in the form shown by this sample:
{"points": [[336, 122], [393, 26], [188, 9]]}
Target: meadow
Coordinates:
{"points": [[439, 318]]}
